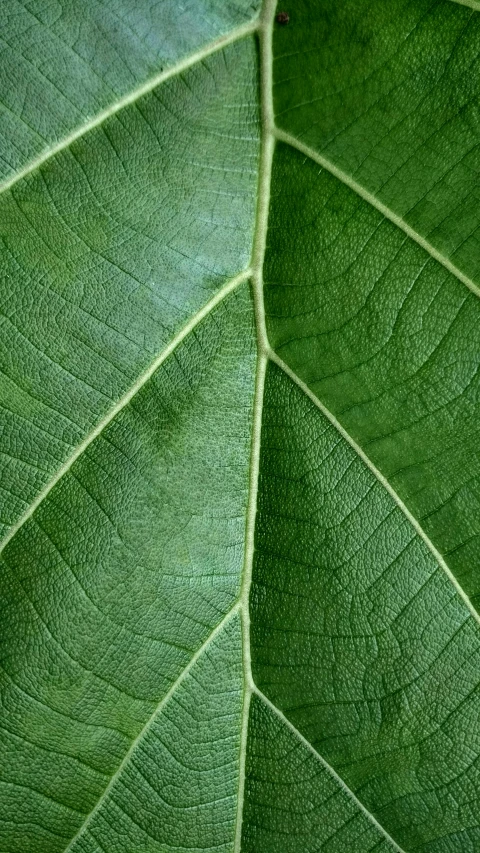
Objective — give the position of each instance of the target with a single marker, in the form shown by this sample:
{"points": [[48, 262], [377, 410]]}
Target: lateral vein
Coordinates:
{"points": [[366, 459], [127, 397], [375, 202], [127, 100], [151, 720], [472, 4], [327, 767]]}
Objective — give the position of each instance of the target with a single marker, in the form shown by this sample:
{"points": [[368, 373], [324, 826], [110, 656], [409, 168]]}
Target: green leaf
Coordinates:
{"points": [[239, 408]]}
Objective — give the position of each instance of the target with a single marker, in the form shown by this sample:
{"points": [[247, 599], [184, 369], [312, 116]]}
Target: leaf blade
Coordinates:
{"points": [[357, 635], [390, 99], [82, 613], [361, 633], [209, 702], [394, 357], [311, 802], [90, 249], [58, 69]]}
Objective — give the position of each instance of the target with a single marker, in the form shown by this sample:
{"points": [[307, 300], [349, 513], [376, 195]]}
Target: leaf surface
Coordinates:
{"points": [[239, 427]]}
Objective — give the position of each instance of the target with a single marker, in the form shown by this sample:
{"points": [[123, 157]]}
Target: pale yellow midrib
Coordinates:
{"points": [[265, 35], [272, 132]]}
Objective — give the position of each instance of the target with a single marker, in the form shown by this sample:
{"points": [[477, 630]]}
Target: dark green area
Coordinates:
{"points": [[388, 91]]}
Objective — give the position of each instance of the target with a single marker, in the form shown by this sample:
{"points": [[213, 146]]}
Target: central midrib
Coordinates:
{"points": [[267, 145]]}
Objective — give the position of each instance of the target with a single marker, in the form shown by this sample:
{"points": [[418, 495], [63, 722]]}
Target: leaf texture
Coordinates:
{"points": [[239, 406]]}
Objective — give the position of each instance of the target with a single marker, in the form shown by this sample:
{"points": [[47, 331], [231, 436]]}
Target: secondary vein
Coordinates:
{"points": [[150, 721], [120, 404], [366, 459], [382, 208], [130, 98], [329, 768]]}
